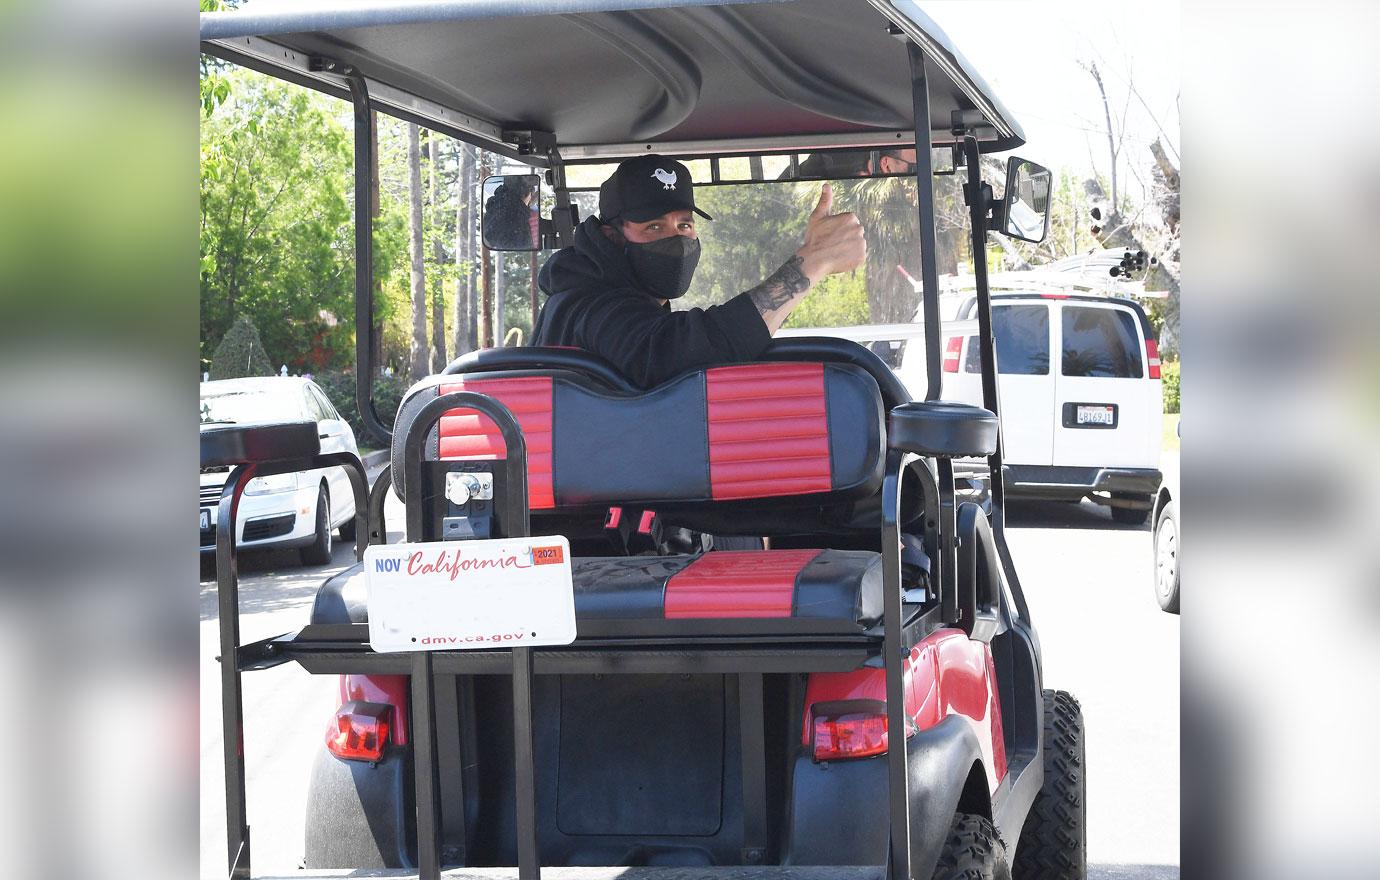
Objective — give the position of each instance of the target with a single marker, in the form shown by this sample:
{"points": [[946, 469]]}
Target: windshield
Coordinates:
{"points": [[256, 405]]}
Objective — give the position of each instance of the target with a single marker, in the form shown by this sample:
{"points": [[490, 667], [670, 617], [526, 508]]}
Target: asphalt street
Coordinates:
{"points": [[1089, 588]]}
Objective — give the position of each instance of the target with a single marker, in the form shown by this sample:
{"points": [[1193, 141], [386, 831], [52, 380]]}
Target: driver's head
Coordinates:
{"points": [[648, 206], [896, 162]]}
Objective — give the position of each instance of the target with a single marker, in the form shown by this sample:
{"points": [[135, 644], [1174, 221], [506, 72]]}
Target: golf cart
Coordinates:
{"points": [[718, 713]]}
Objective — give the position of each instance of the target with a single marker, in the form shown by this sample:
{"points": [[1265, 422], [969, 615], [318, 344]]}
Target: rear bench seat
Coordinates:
{"points": [[766, 441]]}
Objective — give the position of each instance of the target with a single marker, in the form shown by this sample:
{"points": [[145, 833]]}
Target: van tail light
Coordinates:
{"points": [[359, 731], [850, 729], [1152, 357], [951, 353]]}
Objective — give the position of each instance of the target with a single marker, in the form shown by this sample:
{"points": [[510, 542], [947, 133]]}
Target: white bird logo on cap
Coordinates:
{"points": [[667, 178]]}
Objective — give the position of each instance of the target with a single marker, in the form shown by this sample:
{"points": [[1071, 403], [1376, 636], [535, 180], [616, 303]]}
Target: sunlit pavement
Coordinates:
{"points": [[1088, 582]]}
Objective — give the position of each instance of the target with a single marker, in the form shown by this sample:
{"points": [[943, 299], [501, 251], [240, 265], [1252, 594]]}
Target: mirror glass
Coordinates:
{"points": [[512, 204], [1027, 200]]}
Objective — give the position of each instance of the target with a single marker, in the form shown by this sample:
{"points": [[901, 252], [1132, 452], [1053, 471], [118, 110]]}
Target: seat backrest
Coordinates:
{"points": [[802, 433]]}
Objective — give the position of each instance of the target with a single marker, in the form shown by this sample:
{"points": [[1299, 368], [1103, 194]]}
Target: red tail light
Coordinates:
{"points": [[1152, 357], [852, 735], [951, 354], [359, 731]]}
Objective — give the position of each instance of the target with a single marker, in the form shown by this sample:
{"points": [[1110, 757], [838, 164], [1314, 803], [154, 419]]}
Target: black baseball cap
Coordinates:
{"points": [[645, 188]]}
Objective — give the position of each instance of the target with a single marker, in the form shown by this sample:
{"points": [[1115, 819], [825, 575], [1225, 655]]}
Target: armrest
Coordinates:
{"points": [[229, 445], [942, 429]]}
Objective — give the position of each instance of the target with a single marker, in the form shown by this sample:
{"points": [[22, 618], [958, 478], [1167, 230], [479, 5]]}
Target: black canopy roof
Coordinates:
{"points": [[613, 78]]}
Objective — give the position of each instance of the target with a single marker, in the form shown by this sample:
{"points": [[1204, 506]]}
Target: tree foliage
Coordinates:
{"points": [[276, 232]]}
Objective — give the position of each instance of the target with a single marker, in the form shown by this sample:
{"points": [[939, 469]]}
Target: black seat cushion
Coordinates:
{"points": [[735, 592]]}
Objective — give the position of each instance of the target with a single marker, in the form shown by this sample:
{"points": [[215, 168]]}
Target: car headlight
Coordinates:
{"points": [[271, 484]]}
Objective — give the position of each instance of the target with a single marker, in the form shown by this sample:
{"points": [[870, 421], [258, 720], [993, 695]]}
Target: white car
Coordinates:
{"points": [[287, 510], [1085, 424]]}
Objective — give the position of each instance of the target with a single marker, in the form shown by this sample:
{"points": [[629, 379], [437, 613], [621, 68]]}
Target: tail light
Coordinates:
{"points": [[1152, 357], [359, 731], [850, 729], [951, 353]]}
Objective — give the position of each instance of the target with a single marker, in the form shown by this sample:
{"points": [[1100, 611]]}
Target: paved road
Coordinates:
{"points": [[1088, 582]]}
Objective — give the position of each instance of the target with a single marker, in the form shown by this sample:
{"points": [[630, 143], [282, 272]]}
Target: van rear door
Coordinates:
{"points": [[1025, 382], [1106, 411]]}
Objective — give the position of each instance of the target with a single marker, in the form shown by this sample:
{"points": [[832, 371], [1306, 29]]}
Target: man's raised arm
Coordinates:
{"points": [[834, 243]]}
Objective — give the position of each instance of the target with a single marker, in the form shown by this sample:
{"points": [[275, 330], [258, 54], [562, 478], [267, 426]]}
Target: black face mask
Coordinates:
{"points": [[666, 266]]}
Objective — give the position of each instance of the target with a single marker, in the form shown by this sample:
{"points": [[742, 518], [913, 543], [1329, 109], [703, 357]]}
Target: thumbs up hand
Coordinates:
{"points": [[834, 243]]}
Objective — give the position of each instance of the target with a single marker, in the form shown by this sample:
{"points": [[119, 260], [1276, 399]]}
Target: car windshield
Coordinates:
{"points": [[256, 405]]}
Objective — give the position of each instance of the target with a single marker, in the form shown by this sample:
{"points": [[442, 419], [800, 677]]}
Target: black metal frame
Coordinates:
{"points": [[232, 654]]}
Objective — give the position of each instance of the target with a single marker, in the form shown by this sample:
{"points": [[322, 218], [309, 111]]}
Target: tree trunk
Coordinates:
{"points": [[438, 257], [500, 296], [420, 361], [464, 251]]}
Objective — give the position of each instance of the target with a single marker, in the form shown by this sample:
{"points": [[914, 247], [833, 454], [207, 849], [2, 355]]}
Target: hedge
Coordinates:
{"points": [[339, 386], [1170, 374], [241, 353]]}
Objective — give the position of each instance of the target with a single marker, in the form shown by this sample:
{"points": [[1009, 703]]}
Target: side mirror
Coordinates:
{"points": [[512, 206], [1026, 203]]}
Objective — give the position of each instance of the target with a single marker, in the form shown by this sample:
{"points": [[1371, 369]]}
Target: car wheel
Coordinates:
{"points": [[1054, 843], [1132, 516], [318, 552], [1167, 558], [972, 851]]}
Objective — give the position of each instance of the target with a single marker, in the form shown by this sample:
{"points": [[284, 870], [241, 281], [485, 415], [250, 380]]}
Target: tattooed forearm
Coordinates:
{"points": [[784, 285]]}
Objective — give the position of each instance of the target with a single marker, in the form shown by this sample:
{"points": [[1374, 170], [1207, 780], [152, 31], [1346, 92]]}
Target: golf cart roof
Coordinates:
{"points": [[614, 78]]}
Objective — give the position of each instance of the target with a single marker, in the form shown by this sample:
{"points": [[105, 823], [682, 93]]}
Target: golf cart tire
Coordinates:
{"points": [[972, 851], [1168, 517], [1054, 843], [318, 552], [1131, 516], [347, 530]]}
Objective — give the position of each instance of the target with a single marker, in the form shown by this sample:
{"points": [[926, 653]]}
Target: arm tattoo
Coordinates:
{"points": [[784, 285]]}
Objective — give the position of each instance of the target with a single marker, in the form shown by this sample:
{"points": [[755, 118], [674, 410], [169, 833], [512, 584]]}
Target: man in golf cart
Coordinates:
{"points": [[610, 292]]}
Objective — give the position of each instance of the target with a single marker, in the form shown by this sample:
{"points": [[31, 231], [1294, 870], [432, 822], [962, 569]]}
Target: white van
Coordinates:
{"points": [[1085, 424]]}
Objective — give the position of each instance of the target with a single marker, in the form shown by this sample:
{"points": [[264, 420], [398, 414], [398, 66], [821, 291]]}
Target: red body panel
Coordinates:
{"points": [[388, 689], [467, 434], [946, 674], [737, 583], [768, 430]]}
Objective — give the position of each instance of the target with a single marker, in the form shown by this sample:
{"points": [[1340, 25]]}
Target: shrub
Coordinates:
{"points": [[1170, 374], [339, 386], [241, 353]]}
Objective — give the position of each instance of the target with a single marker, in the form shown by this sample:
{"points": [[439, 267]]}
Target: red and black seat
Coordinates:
{"points": [[782, 448]]}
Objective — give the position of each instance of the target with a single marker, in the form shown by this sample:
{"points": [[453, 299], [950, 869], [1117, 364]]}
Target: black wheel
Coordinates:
{"points": [[347, 530], [1167, 558], [1132, 516], [972, 851], [318, 552], [1054, 844]]}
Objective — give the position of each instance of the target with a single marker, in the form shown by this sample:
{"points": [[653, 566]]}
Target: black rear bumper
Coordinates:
{"points": [[1044, 483]]}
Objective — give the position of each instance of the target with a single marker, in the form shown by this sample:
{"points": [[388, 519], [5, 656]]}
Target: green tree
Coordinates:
{"points": [[241, 353], [276, 221]]}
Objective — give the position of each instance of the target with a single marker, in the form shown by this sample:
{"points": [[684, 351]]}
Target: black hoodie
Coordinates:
{"points": [[594, 303]]}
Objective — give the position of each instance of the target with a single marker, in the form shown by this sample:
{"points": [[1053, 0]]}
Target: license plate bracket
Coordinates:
{"points": [[1080, 414]]}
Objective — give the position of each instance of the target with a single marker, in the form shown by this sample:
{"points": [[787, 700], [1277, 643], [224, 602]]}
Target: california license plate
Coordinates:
{"points": [[1096, 415], [205, 519], [456, 595]]}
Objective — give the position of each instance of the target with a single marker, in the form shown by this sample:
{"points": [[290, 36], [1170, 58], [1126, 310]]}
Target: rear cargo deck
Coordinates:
{"points": [[825, 872]]}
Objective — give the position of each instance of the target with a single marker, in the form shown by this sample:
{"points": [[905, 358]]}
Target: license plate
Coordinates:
{"points": [[1096, 415], [205, 519], [457, 595]]}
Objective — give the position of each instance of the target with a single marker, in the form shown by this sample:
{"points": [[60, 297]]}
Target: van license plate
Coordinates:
{"points": [[1096, 415], [205, 519]]}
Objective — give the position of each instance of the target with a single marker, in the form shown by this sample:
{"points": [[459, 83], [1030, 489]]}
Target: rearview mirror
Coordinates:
{"points": [[512, 204], [1027, 200]]}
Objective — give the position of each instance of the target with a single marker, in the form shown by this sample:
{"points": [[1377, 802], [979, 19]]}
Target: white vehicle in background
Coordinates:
{"points": [[1080, 393], [1078, 380], [285, 510]]}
